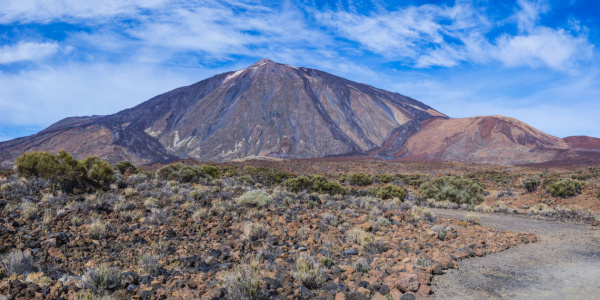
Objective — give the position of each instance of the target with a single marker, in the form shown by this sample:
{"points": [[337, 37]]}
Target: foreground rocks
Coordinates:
{"points": [[169, 240]]}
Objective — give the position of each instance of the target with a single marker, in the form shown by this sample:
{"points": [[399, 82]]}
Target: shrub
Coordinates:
{"points": [[374, 246], [166, 171], [148, 263], [308, 271], [97, 230], [255, 231], [531, 184], [391, 191], [102, 172], [232, 173], [303, 232], [125, 165], [456, 189], [384, 222], [19, 262], [322, 185], [329, 219], [385, 178], [565, 188], [29, 210], [472, 218], [441, 231], [64, 171], [298, 184], [360, 179], [208, 171], [361, 265], [244, 283], [258, 198], [359, 236], [100, 280], [158, 216], [422, 213], [151, 203], [267, 176]]}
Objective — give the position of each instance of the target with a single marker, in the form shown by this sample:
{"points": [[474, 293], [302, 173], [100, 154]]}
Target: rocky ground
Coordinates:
{"points": [[563, 264], [155, 239]]}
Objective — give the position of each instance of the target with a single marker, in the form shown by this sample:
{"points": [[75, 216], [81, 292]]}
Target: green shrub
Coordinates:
{"points": [[166, 171], [208, 171], [102, 172], [414, 180], [385, 178], [565, 188], [182, 173], [456, 189], [531, 184], [298, 184], [64, 171], [125, 165], [256, 197], [360, 179], [321, 185], [391, 191], [267, 176], [232, 173]]}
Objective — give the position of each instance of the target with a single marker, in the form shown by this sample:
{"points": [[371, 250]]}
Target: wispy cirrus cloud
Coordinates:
{"points": [[26, 51], [41, 11], [446, 36]]}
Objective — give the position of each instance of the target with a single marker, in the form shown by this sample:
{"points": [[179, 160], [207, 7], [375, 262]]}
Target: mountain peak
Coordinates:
{"points": [[261, 62]]}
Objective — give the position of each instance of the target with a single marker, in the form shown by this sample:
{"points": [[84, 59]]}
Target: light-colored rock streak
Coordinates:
{"points": [[234, 75]]}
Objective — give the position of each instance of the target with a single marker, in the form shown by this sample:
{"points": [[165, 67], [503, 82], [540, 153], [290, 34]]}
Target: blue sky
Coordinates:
{"points": [[535, 60]]}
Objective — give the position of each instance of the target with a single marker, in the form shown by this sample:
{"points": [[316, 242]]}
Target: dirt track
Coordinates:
{"points": [[563, 264]]}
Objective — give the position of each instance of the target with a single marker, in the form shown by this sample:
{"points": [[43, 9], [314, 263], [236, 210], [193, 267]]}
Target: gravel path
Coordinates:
{"points": [[563, 264]]}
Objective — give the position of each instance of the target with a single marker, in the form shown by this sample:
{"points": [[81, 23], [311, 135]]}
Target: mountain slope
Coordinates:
{"points": [[267, 109], [491, 139]]}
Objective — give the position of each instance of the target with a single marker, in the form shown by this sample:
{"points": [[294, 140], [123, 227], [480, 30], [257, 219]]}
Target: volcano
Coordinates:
{"points": [[277, 110]]}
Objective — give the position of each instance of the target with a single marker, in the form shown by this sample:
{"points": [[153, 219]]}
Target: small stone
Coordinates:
{"points": [[366, 226], [378, 296], [340, 296]]}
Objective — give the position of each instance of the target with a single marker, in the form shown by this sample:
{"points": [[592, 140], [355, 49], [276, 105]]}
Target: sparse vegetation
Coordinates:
{"points": [[244, 283], [64, 171], [251, 234], [531, 184], [101, 280], [19, 262], [391, 191], [308, 271], [255, 231], [360, 179], [456, 189], [258, 198], [472, 219], [565, 188]]}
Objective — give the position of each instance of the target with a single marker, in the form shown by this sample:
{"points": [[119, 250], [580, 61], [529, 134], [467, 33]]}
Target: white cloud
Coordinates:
{"points": [[529, 12], [557, 49], [26, 51], [429, 35], [43, 11]]}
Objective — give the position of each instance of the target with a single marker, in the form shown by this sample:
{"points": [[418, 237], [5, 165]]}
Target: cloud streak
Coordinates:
{"points": [[440, 36], [26, 51]]}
